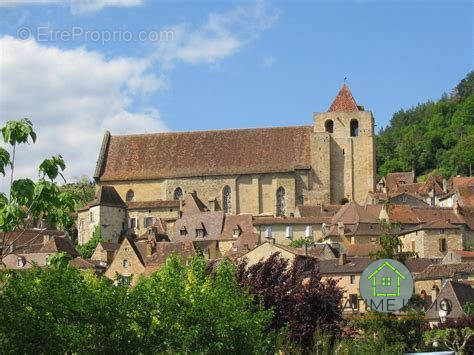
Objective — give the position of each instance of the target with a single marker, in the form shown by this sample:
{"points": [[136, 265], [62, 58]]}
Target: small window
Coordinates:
{"points": [[46, 260], [354, 128], [19, 262], [442, 244], [309, 231], [148, 222], [81, 225], [373, 239], [353, 279], [353, 299], [234, 247], [289, 232], [441, 231], [178, 194], [183, 231], [91, 217], [236, 232], [130, 195], [268, 232], [126, 280], [329, 125], [413, 245], [133, 223], [280, 202], [125, 263], [200, 232]]}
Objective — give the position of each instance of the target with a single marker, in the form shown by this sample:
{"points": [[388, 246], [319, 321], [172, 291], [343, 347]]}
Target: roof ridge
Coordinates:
{"points": [[208, 131]]}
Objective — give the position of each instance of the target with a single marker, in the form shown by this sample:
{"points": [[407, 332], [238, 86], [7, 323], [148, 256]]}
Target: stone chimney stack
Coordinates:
{"points": [[342, 259], [434, 292]]}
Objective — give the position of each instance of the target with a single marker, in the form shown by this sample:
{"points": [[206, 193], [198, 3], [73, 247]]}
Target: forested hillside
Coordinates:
{"points": [[433, 137]]}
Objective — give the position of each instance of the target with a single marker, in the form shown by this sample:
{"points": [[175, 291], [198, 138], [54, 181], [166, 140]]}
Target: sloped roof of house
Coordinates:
{"points": [[109, 246], [135, 205], [81, 263], [211, 221], [203, 153], [361, 249], [353, 265], [466, 193], [393, 180], [464, 253], [344, 101], [456, 181], [184, 250], [323, 212], [105, 196], [457, 293], [57, 245], [28, 240], [353, 213], [438, 271]]}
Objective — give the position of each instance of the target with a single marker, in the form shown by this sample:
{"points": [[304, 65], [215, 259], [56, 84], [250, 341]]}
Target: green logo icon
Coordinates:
{"points": [[386, 285]]}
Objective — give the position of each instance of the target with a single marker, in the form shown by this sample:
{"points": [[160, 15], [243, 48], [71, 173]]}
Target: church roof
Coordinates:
{"points": [[344, 101], [204, 153]]}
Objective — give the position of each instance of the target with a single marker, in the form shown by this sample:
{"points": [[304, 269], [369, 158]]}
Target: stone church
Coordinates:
{"points": [[257, 170]]}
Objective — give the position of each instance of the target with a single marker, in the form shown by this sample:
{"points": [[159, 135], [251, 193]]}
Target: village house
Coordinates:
{"points": [[29, 247], [449, 302], [320, 251], [255, 171], [458, 256]]}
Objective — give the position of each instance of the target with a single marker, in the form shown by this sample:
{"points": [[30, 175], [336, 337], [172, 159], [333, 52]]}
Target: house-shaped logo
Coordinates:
{"points": [[387, 284]]}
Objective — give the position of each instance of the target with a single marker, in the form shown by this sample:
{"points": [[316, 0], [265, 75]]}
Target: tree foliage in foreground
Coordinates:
{"points": [[177, 309], [300, 300], [86, 250], [431, 136]]}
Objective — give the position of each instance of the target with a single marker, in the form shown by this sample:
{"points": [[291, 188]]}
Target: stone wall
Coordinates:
{"points": [[142, 213], [279, 232], [427, 242], [134, 268]]}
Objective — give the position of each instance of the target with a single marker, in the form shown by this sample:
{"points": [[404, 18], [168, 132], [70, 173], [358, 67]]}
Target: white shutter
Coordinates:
{"points": [[289, 232]]}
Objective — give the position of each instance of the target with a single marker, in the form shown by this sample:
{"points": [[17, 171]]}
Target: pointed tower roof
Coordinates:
{"points": [[344, 101]]}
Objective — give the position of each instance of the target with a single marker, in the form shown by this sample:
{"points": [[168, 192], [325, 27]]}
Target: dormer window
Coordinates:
{"points": [[200, 232], [20, 262], [237, 231], [183, 232]]}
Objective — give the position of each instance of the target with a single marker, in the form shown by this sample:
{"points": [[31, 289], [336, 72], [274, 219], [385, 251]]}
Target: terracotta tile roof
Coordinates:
{"points": [[109, 246], [204, 153], [259, 221], [412, 189], [361, 249], [344, 101], [456, 181], [152, 204], [57, 245], [323, 212], [28, 240], [464, 253], [353, 213], [402, 214], [419, 264], [433, 182], [212, 222], [468, 216], [430, 214], [88, 264], [458, 293], [466, 193], [192, 204], [353, 265], [241, 221], [439, 271], [105, 196], [393, 180], [184, 250]]}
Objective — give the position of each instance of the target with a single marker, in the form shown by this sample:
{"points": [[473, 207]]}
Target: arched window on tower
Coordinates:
{"points": [[226, 199], [178, 194], [130, 195], [280, 202], [354, 128], [329, 125]]}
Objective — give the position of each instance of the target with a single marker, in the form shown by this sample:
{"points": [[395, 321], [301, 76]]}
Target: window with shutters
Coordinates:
{"points": [[148, 222], [442, 244]]}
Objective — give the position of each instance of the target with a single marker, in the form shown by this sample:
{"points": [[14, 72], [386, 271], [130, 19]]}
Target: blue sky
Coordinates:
{"points": [[229, 64]]}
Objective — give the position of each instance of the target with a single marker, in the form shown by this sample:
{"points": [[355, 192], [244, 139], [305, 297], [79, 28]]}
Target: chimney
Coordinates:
{"points": [[434, 292], [212, 204], [342, 259], [445, 186]]}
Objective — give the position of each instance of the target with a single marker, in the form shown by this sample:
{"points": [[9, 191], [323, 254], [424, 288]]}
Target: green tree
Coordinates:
{"points": [[390, 243], [300, 243], [86, 250], [32, 202]]}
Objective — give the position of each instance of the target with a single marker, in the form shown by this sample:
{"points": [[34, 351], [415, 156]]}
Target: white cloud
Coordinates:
{"points": [[77, 6], [72, 97], [222, 35], [268, 61]]}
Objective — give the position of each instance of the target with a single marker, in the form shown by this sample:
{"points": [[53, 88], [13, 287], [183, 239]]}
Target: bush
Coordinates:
{"points": [[457, 335], [86, 250], [302, 303]]}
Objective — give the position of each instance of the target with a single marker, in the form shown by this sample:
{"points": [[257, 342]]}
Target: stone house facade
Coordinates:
{"points": [[265, 170]]}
